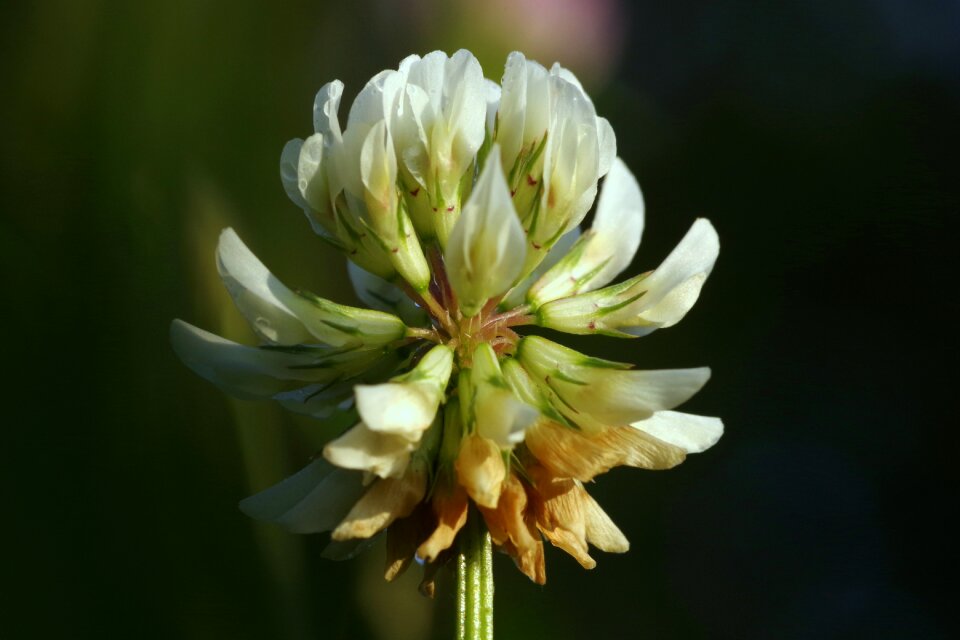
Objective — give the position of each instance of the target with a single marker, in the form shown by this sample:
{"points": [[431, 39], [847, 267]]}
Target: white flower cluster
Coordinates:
{"points": [[457, 201]]}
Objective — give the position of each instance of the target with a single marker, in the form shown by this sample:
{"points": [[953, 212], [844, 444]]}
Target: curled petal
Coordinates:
{"points": [[512, 528], [601, 531], [254, 291], [385, 501], [325, 108], [450, 506], [275, 311], [691, 433], [559, 511], [673, 288], [646, 302]]}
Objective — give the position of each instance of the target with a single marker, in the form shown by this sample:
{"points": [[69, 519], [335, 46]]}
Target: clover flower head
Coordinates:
{"points": [[458, 203]]}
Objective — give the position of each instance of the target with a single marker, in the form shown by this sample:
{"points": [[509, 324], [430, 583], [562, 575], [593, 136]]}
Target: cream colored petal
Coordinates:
{"points": [[382, 454], [243, 372], [253, 288], [502, 417], [480, 470], [404, 410], [691, 433], [486, 248], [384, 502], [314, 499], [407, 405]]}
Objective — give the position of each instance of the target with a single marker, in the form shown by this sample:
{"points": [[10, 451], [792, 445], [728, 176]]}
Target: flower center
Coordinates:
{"points": [[462, 333]]}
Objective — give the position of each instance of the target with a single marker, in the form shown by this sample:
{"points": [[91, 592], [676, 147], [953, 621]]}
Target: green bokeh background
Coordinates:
{"points": [[818, 137]]}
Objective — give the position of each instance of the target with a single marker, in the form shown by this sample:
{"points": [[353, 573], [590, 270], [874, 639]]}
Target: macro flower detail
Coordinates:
{"points": [[457, 202]]}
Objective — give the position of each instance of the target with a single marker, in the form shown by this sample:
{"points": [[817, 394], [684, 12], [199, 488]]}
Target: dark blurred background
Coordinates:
{"points": [[819, 138]]}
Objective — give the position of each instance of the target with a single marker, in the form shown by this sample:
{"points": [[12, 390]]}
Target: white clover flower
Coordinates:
{"points": [[457, 202]]}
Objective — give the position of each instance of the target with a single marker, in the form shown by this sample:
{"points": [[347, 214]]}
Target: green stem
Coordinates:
{"points": [[475, 582]]}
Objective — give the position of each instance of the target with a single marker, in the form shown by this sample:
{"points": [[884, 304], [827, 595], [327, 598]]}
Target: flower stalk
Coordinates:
{"points": [[475, 582]]}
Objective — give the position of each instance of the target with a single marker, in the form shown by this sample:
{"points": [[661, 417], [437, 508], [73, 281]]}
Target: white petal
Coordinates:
{"points": [[608, 145], [384, 455], [399, 409], [606, 249], [502, 417], [557, 252], [314, 499], [524, 112], [407, 405], [289, 159], [312, 174], [325, 108], [466, 97], [492, 95], [376, 100], [253, 288], [691, 433], [674, 287], [244, 372], [486, 249], [378, 171], [596, 393], [618, 225], [267, 304]]}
